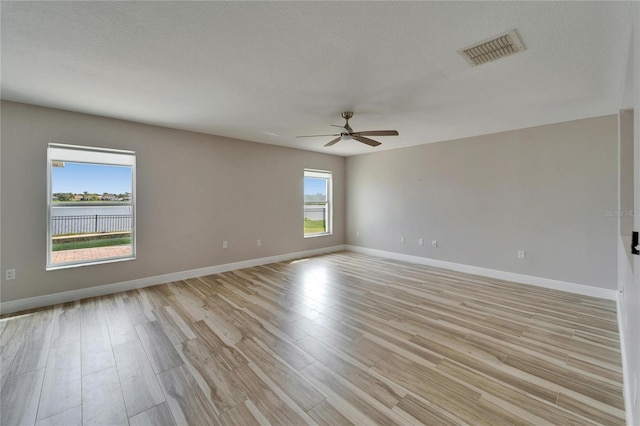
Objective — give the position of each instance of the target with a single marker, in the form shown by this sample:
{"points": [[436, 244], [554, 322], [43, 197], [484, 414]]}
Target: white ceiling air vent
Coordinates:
{"points": [[495, 48]]}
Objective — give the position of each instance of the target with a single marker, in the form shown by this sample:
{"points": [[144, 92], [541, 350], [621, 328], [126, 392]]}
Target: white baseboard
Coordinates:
{"points": [[83, 293], [68, 296], [582, 289], [626, 368]]}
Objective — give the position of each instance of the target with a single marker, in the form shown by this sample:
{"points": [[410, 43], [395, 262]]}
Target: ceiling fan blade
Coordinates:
{"points": [[335, 125], [333, 142], [367, 141], [315, 136], [378, 133]]}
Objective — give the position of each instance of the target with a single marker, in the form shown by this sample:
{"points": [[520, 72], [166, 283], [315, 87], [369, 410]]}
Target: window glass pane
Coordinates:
{"points": [[315, 189], [91, 210], [317, 203]]}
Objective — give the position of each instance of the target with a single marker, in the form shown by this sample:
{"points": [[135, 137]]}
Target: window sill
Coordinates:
{"points": [[324, 234], [55, 267]]}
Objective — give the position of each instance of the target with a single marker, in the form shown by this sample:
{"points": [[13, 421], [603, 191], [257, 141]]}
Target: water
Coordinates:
{"points": [[90, 210], [315, 213], [90, 219]]}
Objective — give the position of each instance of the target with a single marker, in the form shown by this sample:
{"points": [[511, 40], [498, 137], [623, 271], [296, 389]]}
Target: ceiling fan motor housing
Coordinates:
{"points": [[349, 134]]}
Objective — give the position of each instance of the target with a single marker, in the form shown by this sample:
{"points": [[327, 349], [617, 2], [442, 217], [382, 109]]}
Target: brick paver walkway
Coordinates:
{"points": [[63, 256]]}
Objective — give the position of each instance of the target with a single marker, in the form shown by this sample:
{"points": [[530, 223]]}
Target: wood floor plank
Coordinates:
{"points": [[224, 355], [32, 351], [138, 307], [285, 349], [593, 368], [581, 407], [97, 353], [157, 296], [66, 327], [223, 387], [360, 377], [102, 402], [326, 415], [287, 378], [336, 339], [493, 368], [428, 414], [61, 389], [337, 388], [160, 415], [119, 324], [328, 330], [241, 414], [176, 329], [160, 351], [266, 400], [574, 346], [140, 388], [70, 417], [188, 404], [19, 398], [542, 409], [581, 383], [371, 349], [506, 416], [490, 402]]}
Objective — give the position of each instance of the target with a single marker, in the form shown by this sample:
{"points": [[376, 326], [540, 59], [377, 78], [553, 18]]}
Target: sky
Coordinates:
{"points": [[93, 178], [313, 186], [98, 179]]}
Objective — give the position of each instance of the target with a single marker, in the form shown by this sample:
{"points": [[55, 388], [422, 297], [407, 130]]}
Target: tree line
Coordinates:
{"points": [[69, 196]]}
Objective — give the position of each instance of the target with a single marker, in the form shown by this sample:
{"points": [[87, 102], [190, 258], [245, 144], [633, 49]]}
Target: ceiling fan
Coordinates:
{"points": [[349, 134]]}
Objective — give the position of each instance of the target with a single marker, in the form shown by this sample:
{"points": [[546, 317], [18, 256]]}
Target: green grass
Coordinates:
{"points": [[313, 226], [93, 243]]}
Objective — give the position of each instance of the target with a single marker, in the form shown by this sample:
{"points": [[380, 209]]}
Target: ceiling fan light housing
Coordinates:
{"points": [[346, 137]]}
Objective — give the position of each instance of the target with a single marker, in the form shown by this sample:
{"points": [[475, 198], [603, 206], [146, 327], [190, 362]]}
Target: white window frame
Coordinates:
{"points": [[91, 155], [322, 174]]}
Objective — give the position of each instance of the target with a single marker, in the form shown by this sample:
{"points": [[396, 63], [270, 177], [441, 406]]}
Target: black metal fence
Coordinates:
{"points": [[90, 224]]}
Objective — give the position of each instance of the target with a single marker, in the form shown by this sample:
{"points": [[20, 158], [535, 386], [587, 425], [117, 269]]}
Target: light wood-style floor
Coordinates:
{"points": [[336, 339]]}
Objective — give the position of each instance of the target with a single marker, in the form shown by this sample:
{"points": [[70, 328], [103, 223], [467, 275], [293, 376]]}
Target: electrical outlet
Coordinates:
{"points": [[420, 242], [10, 274], [434, 243], [521, 254], [259, 243], [357, 233], [402, 240], [225, 244]]}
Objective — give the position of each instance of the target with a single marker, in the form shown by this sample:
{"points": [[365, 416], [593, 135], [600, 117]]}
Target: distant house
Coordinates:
{"points": [[108, 197], [78, 197]]}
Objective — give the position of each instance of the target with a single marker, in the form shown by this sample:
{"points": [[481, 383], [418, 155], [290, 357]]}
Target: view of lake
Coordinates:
{"points": [[96, 219], [90, 219], [315, 212], [89, 210]]}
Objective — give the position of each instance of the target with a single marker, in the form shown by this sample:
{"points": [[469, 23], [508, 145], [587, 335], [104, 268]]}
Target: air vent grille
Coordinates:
{"points": [[495, 48]]}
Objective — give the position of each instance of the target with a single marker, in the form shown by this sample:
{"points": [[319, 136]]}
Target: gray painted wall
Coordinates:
{"points": [[626, 173], [545, 190], [194, 191], [628, 271]]}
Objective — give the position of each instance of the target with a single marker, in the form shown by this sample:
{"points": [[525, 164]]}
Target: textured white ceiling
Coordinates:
{"points": [[267, 71]]}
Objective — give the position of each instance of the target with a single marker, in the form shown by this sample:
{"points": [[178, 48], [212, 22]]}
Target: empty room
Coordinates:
{"points": [[319, 213]]}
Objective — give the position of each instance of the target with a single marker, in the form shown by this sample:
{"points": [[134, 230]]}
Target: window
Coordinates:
{"points": [[317, 203], [90, 205]]}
